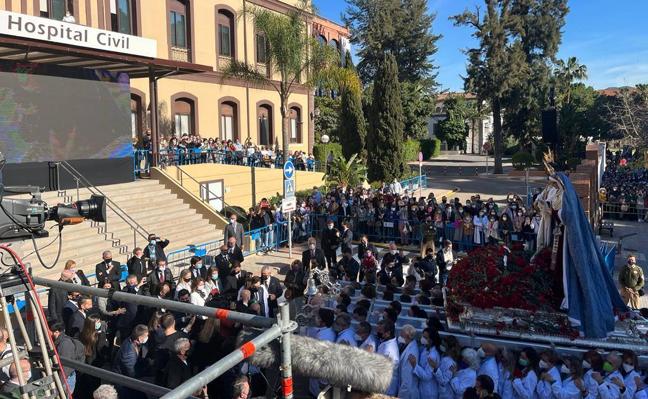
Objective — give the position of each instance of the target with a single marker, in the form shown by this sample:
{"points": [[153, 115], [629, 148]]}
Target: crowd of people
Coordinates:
{"points": [[624, 190], [186, 150]]}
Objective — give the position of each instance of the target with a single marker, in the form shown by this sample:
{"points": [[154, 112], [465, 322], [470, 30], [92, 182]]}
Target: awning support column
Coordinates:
{"points": [[155, 134]]}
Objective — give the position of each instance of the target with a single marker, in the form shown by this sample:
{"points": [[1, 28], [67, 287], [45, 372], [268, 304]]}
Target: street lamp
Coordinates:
{"points": [[325, 139]]}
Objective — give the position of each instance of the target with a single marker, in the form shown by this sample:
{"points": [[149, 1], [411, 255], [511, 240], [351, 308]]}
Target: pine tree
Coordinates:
{"points": [[353, 128], [385, 141]]}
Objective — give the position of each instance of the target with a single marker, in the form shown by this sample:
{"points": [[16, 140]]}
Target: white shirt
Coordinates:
{"points": [[609, 390], [566, 390], [370, 344], [389, 349]]}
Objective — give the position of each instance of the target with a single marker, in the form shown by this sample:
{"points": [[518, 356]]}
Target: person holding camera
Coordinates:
{"points": [[631, 279]]}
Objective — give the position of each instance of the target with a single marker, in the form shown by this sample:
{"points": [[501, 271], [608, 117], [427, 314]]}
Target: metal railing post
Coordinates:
{"points": [[217, 369], [286, 360], [77, 184]]}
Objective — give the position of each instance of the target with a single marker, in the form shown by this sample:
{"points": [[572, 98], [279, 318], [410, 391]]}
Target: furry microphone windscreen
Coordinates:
{"points": [[341, 365]]}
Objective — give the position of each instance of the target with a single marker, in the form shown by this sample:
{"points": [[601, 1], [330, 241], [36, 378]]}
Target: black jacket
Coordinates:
{"points": [[138, 267], [82, 278], [330, 240], [159, 250], [114, 275], [153, 280], [350, 268], [196, 272], [126, 320], [235, 254], [56, 299], [362, 248], [177, 372], [319, 257], [75, 324], [346, 238], [224, 263]]}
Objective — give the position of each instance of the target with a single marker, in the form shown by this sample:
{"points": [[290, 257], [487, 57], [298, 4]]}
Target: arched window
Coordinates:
{"points": [[122, 16], [184, 114], [179, 21], [295, 124], [228, 120], [225, 26], [321, 39], [137, 115], [265, 125]]}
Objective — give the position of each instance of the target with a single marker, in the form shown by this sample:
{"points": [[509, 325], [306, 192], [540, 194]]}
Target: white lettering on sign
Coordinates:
{"points": [[50, 30]]}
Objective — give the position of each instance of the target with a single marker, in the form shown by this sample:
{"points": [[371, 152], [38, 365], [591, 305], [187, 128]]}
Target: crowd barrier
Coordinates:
{"points": [[624, 211]]}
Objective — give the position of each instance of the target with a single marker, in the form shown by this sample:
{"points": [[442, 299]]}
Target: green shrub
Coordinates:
{"points": [[411, 150], [522, 160], [375, 185], [321, 151], [431, 148], [513, 150]]}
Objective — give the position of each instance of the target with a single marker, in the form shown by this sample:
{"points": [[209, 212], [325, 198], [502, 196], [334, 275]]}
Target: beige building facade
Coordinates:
{"points": [[203, 32]]}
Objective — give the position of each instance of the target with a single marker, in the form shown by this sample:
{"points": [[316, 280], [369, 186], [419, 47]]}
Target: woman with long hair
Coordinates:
{"points": [[184, 282], [78, 277], [525, 374], [93, 338]]}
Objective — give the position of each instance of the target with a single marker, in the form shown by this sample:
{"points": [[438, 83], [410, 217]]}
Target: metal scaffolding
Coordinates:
{"points": [[281, 329]]}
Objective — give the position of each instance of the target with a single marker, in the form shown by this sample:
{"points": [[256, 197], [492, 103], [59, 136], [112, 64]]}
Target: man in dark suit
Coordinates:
{"points": [[243, 304], [77, 319], [234, 251], [273, 287], [159, 275], [234, 280], [330, 243], [223, 262], [155, 249], [178, 370], [197, 268], [126, 320], [347, 236], [295, 279], [392, 266], [129, 360], [109, 270], [348, 267], [313, 253], [234, 230], [137, 265], [70, 307], [364, 246], [57, 297]]}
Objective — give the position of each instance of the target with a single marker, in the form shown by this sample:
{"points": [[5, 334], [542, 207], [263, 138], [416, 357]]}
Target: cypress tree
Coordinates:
{"points": [[353, 128], [385, 139]]}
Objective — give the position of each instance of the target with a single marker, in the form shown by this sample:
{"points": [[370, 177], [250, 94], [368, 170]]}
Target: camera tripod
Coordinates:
{"points": [[47, 369]]}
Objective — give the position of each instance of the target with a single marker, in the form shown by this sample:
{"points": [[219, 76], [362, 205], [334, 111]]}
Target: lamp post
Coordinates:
{"points": [[324, 139]]}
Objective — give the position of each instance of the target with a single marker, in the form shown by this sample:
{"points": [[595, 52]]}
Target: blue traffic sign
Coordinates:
{"points": [[289, 170]]}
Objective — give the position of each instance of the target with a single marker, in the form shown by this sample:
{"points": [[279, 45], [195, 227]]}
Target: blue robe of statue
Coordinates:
{"points": [[591, 292]]}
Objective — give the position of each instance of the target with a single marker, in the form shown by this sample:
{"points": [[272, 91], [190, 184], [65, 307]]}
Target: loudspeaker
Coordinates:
{"points": [[550, 126]]}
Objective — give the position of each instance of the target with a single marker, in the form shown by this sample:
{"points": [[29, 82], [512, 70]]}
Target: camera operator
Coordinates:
{"points": [[155, 249]]}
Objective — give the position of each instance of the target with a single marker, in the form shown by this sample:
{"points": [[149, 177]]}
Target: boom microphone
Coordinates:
{"points": [[341, 365]]}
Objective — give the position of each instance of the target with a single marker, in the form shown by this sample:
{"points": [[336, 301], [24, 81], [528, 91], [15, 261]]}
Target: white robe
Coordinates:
{"points": [[314, 384], [443, 376], [347, 337], [390, 349], [490, 368], [428, 386], [543, 389], [463, 380], [408, 381], [525, 387], [566, 390]]}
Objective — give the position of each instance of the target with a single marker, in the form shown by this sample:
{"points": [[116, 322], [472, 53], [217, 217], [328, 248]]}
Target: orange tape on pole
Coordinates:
{"points": [[222, 314], [248, 349], [287, 384]]}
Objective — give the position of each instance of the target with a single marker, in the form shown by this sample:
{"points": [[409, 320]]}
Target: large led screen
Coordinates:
{"points": [[52, 113]]}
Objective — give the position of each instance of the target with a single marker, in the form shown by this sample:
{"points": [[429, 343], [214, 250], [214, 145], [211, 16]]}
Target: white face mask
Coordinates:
{"points": [[543, 365], [424, 341], [144, 341], [152, 242], [481, 353], [586, 365], [98, 325], [357, 337], [628, 367], [565, 370], [330, 227], [393, 252], [312, 246], [232, 221], [401, 340]]}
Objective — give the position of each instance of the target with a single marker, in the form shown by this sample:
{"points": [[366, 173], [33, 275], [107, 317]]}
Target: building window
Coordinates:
{"points": [[295, 125], [136, 116], [225, 33], [261, 49], [228, 121], [178, 24], [56, 9], [266, 133], [184, 117], [122, 14]]}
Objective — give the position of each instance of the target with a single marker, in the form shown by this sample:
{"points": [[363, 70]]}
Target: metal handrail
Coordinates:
{"points": [[209, 192], [136, 227]]}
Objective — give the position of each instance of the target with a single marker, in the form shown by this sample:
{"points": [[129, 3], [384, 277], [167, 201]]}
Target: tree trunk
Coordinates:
{"points": [[497, 136], [285, 131]]}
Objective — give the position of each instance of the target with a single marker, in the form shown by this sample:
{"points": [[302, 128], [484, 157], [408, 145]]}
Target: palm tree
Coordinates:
{"points": [[292, 55], [346, 173], [568, 73]]}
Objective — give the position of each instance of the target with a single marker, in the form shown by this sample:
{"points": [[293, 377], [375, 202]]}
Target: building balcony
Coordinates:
{"points": [[180, 54], [224, 62], [263, 69]]}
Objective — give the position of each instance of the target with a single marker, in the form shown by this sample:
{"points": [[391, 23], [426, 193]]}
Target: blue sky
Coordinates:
{"points": [[609, 36]]}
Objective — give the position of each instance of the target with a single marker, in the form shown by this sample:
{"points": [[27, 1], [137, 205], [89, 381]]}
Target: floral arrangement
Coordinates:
{"points": [[493, 276]]}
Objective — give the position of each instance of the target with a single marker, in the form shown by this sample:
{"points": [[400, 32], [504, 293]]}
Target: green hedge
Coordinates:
{"points": [[411, 149], [522, 160], [321, 151], [430, 148]]}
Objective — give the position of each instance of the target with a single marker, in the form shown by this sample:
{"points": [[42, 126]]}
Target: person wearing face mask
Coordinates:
{"points": [[630, 375], [313, 253], [465, 373], [388, 347], [480, 221], [324, 320], [631, 279], [234, 229], [108, 269], [592, 362], [348, 267], [78, 276], [199, 294], [445, 260], [488, 353], [549, 371], [126, 319], [392, 266], [137, 265], [197, 268], [155, 249], [159, 275], [213, 283], [423, 370], [295, 279], [610, 379], [364, 337], [178, 369], [571, 386], [525, 374], [130, 358], [408, 347], [77, 319], [342, 327], [13, 385], [505, 228], [330, 243], [184, 282], [93, 338]]}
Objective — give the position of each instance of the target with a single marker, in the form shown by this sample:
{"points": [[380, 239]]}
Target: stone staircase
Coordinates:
{"points": [[148, 202]]}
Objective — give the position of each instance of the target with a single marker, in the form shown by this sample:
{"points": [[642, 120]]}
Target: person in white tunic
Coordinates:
{"points": [[524, 385], [429, 355], [630, 374], [345, 334], [365, 338], [324, 320], [480, 222], [610, 384], [549, 366], [388, 347], [572, 386], [488, 353], [592, 360], [465, 374], [443, 372], [408, 381]]}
